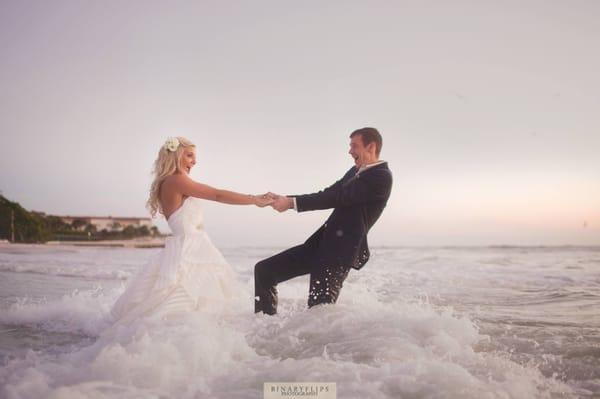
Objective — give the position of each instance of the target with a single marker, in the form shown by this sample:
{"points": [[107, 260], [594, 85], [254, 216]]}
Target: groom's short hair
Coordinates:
{"points": [[370, 135]]}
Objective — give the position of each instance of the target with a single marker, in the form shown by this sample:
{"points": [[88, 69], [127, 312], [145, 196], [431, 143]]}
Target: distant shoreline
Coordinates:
{"points": [[133, 243], [159, 242]]}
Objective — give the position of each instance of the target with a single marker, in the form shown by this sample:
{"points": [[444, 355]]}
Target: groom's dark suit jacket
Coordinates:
{"points": [[358, 200]]}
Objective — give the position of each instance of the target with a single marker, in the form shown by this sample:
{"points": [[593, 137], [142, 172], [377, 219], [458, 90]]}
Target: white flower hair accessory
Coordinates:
{"points": [[171, 144]]}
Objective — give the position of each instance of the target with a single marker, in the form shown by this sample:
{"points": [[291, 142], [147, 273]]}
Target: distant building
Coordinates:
{"points": [[107, 222]]}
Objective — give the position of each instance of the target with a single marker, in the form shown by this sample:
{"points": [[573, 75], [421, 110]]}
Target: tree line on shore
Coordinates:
{"points": [[19, 225]]}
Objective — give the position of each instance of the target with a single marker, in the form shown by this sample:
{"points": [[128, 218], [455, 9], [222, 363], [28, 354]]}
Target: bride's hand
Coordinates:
{"points": [[263, 200]]}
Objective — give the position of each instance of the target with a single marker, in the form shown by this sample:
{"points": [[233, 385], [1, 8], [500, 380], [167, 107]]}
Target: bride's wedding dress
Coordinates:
{"points": [[188, 274]]}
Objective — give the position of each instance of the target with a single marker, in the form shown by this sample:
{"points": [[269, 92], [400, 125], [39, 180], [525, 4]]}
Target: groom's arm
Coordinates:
{"points": [[324, 199], [376, 186]]}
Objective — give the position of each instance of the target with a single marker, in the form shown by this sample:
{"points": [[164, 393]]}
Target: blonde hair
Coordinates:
{"points": [[166, 164]]}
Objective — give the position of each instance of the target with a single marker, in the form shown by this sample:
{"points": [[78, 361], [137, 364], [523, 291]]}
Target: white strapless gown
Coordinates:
{"points": [[188, 274]]}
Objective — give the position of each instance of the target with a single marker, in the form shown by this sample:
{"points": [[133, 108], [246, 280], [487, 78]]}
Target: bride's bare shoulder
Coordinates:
{"points": [[176, 179], [180, 182], [171, 185]]}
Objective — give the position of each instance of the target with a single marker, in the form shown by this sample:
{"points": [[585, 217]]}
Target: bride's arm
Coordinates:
{"points": [[191, 188]]}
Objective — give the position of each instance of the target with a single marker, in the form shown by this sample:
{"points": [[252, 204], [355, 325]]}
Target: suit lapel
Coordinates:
{"points": [[349, 175], [355, 175], [381, 165]]}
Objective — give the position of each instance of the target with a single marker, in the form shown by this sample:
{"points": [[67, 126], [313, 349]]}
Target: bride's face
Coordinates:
{"points": [[188, 159]]}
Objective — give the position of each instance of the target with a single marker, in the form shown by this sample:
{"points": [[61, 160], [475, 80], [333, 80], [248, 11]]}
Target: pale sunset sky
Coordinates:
{"points": [[489, 111]]}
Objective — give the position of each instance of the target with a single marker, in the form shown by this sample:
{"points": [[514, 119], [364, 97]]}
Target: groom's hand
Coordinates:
{"points": [[263, 200], [273, 195], [282, 203]]}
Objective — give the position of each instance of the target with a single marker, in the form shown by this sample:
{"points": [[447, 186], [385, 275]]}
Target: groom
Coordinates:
{"points": [[358, 199]]}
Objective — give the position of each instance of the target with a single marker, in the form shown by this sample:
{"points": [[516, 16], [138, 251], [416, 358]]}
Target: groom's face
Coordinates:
{"points": [[362, 154]]}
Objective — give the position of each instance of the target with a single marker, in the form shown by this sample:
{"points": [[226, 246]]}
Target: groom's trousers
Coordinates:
{"points": [[326, 279]]}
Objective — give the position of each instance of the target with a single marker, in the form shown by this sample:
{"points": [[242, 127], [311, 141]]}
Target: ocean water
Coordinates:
{"points": [[481, 322]]}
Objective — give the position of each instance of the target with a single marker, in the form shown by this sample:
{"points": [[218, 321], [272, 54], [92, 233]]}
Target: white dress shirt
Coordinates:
{"points": [[360, 170]]}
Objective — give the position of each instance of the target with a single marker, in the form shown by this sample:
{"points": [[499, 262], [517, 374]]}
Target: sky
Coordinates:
{"points": [[489, 111]]}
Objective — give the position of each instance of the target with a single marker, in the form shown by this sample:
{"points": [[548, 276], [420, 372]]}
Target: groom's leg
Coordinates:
{"points": [[326, 283], [272, 271]]}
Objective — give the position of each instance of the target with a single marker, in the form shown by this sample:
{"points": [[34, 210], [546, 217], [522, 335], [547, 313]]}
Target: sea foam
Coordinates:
{"points": [[373, 349]]}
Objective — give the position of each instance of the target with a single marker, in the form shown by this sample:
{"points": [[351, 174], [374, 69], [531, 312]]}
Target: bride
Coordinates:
{"points": [[189, 273]]}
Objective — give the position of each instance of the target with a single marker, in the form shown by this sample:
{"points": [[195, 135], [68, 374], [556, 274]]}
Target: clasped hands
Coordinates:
{"points": [[280, 203]]}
